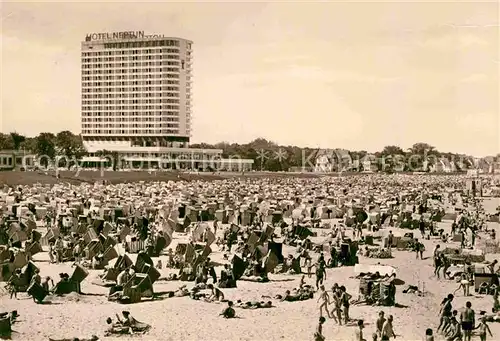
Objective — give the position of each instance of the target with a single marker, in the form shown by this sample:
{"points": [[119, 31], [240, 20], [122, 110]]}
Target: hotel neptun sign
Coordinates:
{"points": [[120, 36]]}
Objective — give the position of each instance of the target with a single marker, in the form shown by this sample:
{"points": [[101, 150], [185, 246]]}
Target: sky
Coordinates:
{"points": [[354, 75]]}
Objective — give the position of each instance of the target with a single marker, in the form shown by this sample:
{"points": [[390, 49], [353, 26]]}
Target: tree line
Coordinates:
{"points": [[48, 144], [267, 155]]}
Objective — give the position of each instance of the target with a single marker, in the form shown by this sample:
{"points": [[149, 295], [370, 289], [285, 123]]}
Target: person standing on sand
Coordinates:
{"points": [[454, 333], [320, 274], [388, 330], [309, 266], [390, 239], [437, 261], [323, 301], [336, 311], [215, 226], [421, 225], [483, 328], [51, 252], [358, 333], [59, 246], [380, 323], [429, 335], [467, 320], [446, 265], [419, 249], [318, 335], [344, 299], [496, 304]]}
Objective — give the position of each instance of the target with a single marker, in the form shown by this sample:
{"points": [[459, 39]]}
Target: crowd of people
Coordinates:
{"points": [[250, 239]]}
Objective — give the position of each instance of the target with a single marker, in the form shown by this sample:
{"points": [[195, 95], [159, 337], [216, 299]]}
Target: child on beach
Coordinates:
{"points": [[318, 335], [429, 335], [229, 311], [358, 334], [483, 328]]}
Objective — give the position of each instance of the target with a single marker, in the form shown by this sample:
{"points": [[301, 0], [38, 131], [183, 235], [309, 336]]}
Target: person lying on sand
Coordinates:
{"points": [[195, 293], [129, 321], [116, 328], [254, 304], [181, 292], [285, 297]]}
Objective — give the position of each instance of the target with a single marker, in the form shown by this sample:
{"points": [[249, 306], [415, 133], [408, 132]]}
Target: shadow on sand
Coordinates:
{"points": [[283, 280], [397, 305], [49, 303]]}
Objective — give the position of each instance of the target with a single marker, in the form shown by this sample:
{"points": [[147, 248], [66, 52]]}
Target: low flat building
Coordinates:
{"points": [[16, 159], [166, 158]]}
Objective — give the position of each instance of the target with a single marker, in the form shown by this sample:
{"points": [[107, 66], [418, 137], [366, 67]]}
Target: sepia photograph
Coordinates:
{"points": [[250, 170]]}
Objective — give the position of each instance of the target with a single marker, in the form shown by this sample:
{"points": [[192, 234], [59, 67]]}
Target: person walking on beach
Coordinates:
{"points": [[467, 320], [320, 274], [323, 301], [336, 311], [380, 323], [388, 330]]}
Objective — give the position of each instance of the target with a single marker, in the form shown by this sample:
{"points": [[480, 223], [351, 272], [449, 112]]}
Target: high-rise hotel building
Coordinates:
{"points": [[136, 90], [136, 98]]}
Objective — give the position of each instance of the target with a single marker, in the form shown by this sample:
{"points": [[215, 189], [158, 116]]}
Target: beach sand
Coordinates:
{"points": [[186, 319]]}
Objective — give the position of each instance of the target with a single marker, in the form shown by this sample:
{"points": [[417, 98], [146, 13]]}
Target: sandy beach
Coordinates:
{"points": [[82, 315]]}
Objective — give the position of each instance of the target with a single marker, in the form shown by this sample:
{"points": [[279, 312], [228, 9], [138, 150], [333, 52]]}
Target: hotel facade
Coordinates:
{"points": [[137, 101]]}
